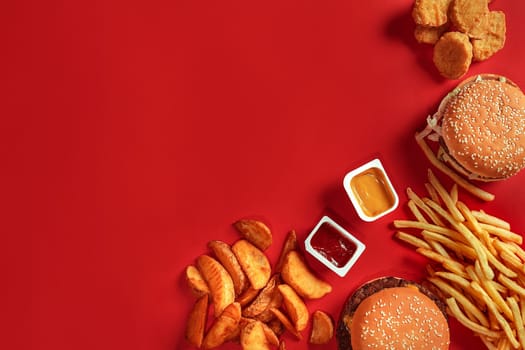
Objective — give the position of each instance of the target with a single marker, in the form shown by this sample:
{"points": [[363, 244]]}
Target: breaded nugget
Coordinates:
{"points": [[429, 35], [430, 12], [494, 38], [453, 55], [470, 16]]}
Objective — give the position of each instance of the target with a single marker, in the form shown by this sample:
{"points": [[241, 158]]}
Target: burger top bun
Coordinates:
{"points": [[483, 128], [393, 313], [399, 318]]}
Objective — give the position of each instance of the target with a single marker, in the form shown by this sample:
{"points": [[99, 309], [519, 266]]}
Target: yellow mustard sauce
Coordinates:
{"points": [[372, 192]]}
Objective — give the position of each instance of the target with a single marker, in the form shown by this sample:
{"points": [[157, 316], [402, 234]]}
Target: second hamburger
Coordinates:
{"points": [[480, 127]]}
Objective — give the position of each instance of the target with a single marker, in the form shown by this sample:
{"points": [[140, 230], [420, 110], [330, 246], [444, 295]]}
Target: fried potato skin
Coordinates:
{"points": [[255, 231], [261, 302], [254, 263], [295, 307], [196, 282], [219, 281], [253, 337], [227, 258], [289, 244], [296, 274], [223, 327], [196, 323], [453, 55], [322, 328]]}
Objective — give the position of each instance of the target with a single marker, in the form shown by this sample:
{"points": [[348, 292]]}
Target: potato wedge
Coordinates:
{"points": [[224, 254], [253, 337], [295, 307], [253, 262], [322, 328], [196, 282], [197, 322], [289, 244], [248, 296], [261, 302], [286, 322], [255, 231], [296, 274], [271, 337], [219, 281], [276, 302], [223, 327]]}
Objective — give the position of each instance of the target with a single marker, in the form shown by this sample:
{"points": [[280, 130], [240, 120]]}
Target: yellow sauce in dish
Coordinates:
{"points": [[372, 192]]}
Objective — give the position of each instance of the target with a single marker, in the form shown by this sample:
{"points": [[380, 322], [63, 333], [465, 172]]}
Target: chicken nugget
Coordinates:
{"points": [[453, 55], [429, 35], [430, 12], [470, 16], [494, 38]]}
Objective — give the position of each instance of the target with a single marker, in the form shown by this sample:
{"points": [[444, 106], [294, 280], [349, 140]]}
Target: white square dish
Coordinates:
{"points": [[334, 246]]}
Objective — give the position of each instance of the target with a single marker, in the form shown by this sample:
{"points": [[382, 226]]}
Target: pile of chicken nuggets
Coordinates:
{"points": [[462, 31]]}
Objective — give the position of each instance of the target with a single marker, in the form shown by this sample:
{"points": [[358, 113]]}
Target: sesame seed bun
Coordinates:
{"points": [[393, 313], [483, 128]]}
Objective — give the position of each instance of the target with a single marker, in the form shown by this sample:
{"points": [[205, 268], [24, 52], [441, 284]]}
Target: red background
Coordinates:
{"points": [[134, 132]]}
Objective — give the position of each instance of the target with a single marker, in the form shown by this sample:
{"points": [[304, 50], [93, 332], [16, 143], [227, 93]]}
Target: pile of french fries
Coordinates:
{"points": [[476, 263], [254, 304]]}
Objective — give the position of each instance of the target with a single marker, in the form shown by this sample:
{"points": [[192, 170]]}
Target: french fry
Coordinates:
{"points": [[476, 191], [421, 204], [460, 298], [518, 320], [491, 305], [411, 239], [504, 234], [464, 320], [485, 218], [511, 284], [445, 196], [416, 212]]}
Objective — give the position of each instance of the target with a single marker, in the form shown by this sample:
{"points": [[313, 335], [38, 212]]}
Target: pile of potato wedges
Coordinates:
{"points": [[241, 298]]}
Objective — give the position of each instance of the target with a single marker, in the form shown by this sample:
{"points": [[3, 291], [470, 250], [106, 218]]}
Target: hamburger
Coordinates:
{"points": [[393, 313], [480, 127]]}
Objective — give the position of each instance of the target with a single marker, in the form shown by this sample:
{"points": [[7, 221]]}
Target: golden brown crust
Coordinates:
{"points": [[493, 38], [469, 16], [429, 35], [430, 12], [453, 55]]}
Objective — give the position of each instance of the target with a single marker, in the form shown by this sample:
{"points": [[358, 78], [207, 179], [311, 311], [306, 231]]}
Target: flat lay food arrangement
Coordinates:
{"points": [[242, 175], [475, 271]]}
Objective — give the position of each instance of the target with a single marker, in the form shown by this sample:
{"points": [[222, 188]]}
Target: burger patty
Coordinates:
{"points": [[343, 332]]}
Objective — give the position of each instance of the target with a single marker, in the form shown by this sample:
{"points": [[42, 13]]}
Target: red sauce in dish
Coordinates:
{"points": [[333, 245]]}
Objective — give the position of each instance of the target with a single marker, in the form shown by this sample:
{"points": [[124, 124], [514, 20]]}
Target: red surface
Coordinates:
{"points": [[134, 132]]}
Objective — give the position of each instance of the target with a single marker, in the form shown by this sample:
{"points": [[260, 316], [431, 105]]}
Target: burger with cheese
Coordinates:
{"points": [[480, 127], [393, 313]]}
